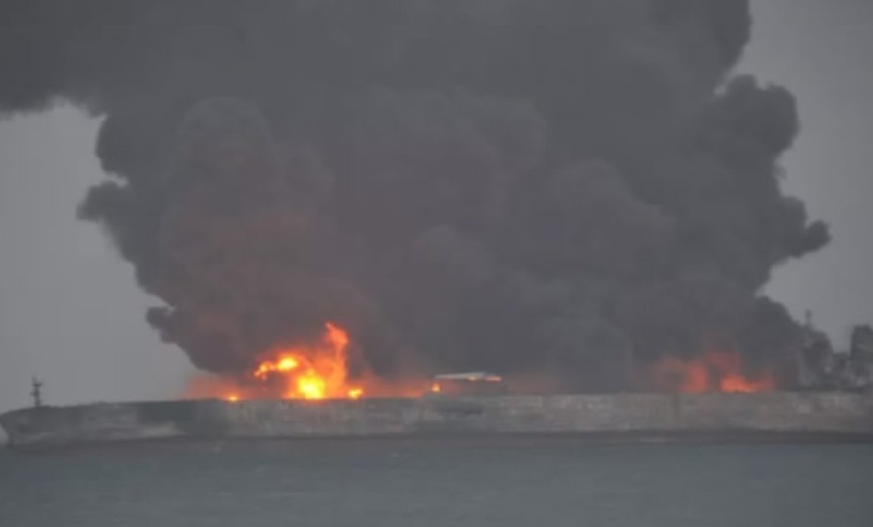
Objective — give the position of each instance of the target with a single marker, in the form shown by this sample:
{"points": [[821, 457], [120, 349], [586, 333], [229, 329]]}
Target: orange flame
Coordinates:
{"points": [[713, 372], [315, 371], [283, 364], [311, 372]]}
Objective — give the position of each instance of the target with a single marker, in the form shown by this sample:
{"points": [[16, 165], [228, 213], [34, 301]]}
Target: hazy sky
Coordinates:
{"points": [[823, 51], [70, 311], [69, 307]]}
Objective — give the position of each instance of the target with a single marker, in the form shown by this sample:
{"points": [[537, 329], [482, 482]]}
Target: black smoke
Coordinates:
{"points": [[561, 186]]}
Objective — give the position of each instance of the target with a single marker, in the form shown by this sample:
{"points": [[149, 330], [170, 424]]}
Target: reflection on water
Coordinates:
{"points": [[422, 483]]}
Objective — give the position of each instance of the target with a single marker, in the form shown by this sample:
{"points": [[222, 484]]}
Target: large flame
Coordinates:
{"points": [[713, 372], [312, 372]]}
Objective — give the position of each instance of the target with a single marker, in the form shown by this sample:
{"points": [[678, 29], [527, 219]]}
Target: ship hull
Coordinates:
{"points": [[779, 416]]}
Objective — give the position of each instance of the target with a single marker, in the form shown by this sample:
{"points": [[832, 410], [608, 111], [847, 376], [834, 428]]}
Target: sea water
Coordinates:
{"points": [[385, 483]]}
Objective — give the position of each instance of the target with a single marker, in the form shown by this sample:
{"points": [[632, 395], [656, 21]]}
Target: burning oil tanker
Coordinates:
{"points": [[303, 392], [585, 192], [774, 416]]}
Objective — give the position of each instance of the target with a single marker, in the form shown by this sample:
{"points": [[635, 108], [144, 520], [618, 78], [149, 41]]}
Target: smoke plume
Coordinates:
{"points": [[561, 186]]}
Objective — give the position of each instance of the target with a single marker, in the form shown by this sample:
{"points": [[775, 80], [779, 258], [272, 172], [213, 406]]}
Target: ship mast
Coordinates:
{"points": [[36, 393]]}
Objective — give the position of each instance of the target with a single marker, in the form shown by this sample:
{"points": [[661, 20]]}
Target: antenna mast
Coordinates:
{"points": [[36, 393]]}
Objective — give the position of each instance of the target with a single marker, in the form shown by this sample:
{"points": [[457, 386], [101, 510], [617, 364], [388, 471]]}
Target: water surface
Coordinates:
{"points": [[431, 483]]}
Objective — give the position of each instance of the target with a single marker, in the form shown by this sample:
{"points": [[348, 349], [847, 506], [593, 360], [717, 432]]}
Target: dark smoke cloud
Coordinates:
{"points": [[564, 186]]}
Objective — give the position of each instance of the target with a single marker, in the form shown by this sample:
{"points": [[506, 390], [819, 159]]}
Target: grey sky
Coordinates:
{"points": [[69, 308], [60, 281], [822, 51]]}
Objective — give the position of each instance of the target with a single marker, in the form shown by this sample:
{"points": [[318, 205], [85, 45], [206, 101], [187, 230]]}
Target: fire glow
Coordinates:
{"points": [[312, 371], [713, 372]]}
